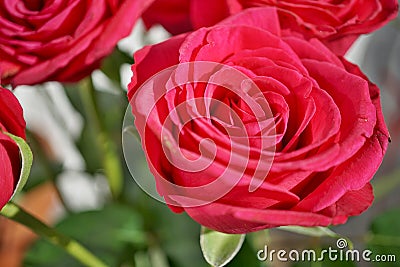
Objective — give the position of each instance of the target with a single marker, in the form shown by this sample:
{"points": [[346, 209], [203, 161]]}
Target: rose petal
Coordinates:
{"points": [[9, 171], [11, 119]]}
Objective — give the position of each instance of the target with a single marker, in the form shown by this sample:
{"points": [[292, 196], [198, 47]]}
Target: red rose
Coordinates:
{"points": [[199, 124], [336, 23], [60, 40], [11, 121]]}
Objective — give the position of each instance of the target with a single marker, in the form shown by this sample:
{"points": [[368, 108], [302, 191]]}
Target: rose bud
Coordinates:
{"points": [[11, 122]]}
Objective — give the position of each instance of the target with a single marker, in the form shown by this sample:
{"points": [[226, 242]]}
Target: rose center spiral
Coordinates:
{"points": [[34, 5]]}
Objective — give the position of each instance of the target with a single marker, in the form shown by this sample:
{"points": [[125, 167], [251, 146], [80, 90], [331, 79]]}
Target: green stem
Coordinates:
{"points": [[110, 159], [14, 212]]}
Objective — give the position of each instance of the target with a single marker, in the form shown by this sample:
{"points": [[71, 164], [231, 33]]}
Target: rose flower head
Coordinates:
{"points": [[60, 40], [246, 126], [335, 23], [11, 122]]}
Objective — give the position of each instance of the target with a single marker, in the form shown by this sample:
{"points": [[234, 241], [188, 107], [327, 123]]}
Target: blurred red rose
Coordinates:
{"points": [[317, 112], [336, 23], [61, 40], [11, 121]]}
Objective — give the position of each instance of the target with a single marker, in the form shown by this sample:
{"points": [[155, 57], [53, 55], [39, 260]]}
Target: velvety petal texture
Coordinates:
{"points": [[11, 121], [313, 135], [336, 23], [61, 40]]}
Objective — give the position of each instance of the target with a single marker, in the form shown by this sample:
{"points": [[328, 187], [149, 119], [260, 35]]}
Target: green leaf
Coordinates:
{"points": [[26, 160], [384, 238], [113, 234], [310, 231], [246, 256], [219, 248]]}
